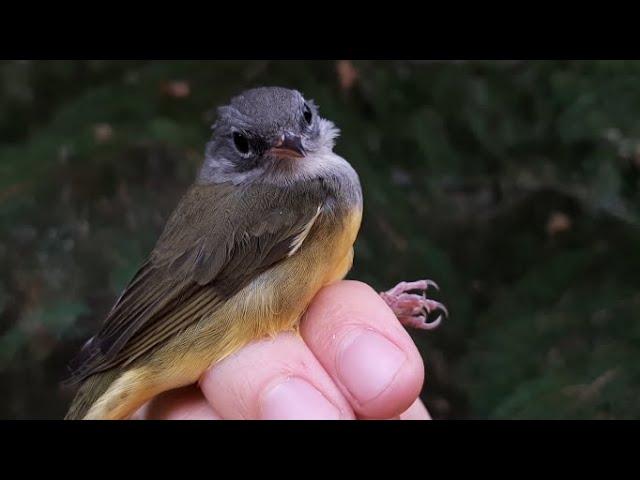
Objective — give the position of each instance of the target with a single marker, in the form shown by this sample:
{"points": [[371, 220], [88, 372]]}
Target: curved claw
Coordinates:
{"points": [[431, 305], [431, 283], [432, 325], [420, 322]]}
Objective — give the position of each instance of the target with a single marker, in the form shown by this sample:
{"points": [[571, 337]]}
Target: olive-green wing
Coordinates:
{"points": [[218, 239]]}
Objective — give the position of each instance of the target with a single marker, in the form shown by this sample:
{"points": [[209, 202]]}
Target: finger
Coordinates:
{"points": [[361, 344], [417, 411], [275, 379], [186, 403]]}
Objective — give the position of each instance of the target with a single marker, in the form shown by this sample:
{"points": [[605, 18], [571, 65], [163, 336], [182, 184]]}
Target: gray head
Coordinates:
{"points": [[267, 133]]}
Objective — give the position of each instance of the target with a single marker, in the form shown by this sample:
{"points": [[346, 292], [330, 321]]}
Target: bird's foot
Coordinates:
{"points": [[413, 309]]}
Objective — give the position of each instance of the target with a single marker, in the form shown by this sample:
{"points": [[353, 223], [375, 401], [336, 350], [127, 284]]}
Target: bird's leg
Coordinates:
{"points": [[413, 309]]}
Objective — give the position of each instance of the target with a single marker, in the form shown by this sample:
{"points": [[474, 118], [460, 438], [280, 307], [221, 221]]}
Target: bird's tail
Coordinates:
{"points": [[91, 390]]}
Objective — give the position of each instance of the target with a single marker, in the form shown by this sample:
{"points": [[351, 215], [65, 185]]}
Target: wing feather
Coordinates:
{"points": [[217, 240]]}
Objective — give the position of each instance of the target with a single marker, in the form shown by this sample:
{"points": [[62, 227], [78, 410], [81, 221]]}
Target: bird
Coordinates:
{"points": [[270, 219]]}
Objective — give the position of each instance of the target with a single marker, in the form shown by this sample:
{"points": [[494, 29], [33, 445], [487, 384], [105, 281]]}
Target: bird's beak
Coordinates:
{"points": [[288, 146]]}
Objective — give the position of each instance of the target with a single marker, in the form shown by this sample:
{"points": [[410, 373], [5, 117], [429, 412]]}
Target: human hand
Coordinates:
{"points": [[352, 360]]}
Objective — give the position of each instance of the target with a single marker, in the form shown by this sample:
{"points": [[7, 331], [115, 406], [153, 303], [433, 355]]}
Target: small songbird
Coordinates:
{"points": [[271, 218]]}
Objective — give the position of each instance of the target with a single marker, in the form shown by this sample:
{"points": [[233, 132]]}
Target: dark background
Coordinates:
{"points": [[513, 184]]}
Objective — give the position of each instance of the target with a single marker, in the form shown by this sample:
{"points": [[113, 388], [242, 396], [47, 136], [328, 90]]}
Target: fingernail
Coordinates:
{"points": [[296, 399], [367, 364]]}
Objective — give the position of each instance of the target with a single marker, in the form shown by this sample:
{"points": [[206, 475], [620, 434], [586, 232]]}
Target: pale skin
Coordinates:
{"points": [[352, 359]]}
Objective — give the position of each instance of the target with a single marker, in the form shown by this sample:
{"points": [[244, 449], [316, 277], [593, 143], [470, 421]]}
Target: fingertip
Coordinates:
{"points": [[360, 342]]}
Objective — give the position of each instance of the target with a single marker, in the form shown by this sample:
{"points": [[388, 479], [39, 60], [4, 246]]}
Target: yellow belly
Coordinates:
{"points": [[271, 303]]}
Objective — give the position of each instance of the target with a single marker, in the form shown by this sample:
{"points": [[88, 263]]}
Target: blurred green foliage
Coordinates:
{"points": [[514, 185]]}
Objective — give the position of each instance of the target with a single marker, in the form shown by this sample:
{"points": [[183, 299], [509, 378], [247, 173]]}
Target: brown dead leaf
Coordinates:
{"points": [[347, 74], [558, 222], [177, 89], [102, 132]]}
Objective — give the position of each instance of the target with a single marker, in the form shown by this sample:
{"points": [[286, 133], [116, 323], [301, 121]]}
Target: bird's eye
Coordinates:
{"points": [[241, 143], [308, 116]]}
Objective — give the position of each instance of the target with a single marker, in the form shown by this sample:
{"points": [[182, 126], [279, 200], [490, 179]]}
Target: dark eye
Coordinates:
{"points": [[308, 116], [241, 143]]}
